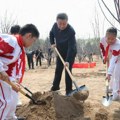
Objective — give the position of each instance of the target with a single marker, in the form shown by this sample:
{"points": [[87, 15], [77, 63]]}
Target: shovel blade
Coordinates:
{"points": [[106, 101], [83, 87]]}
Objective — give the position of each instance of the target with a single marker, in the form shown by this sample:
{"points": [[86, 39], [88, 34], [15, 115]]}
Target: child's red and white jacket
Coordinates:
{"points": [[12, 56], [113, 53]]}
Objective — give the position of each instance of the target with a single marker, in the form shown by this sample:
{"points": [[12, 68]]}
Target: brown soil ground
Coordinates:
{"points": [[60, 107]]}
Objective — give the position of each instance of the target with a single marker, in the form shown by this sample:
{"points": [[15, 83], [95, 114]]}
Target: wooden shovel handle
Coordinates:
{"points": [[14, 86], [106, 81], [20, 90], [71, 76]]}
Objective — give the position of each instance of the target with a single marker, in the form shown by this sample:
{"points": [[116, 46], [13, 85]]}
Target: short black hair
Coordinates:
{"points": [[62, 16], [29, 28], [112, 30], [15, 29]]}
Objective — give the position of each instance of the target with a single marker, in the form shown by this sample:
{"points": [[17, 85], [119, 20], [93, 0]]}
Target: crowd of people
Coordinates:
{"points": [[36, 57]]}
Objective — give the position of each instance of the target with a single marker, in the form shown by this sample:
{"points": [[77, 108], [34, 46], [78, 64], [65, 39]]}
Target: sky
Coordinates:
{"points": [[43, 14]]}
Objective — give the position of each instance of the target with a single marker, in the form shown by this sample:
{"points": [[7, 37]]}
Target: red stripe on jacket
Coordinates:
{"points": [[102, 48], [115, 52], [5, 47], [22, 56]]}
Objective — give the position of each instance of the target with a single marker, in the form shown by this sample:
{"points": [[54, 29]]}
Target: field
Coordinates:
{"points": [[40, 80]]}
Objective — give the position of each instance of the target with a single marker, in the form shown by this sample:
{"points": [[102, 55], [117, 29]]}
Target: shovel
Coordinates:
{"points": [[78, 89], [39, 102], [107, 100], [26, 89]]}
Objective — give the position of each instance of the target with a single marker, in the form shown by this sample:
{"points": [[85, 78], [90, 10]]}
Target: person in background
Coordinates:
{"points": [[15, 30], [39, 56], [49, 56], [30, 61], [90, 56]]}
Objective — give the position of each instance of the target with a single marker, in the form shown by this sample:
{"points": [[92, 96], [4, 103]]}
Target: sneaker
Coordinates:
{"points": [[54, 88], [68, 92]]}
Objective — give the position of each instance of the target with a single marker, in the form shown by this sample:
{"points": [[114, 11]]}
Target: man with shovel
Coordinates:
{"points": [[110, 49], [12, 65], [62, 36]]}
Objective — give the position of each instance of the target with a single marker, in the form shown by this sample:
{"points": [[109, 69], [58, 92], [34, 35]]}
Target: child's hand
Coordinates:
{"points": [[4, 76], [108, 77], [104, 61]]}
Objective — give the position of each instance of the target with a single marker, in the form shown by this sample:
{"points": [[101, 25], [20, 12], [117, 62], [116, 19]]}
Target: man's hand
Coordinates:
{"points": [[53, 45], [4, 76], [108, 77], [67, 64]]}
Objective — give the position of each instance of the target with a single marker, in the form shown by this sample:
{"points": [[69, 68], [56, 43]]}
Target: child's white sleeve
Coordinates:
{"points": [[1, 66], [112, 63]]}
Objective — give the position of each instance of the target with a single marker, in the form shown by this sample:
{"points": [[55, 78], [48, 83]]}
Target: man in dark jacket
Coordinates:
{"points": [[62, 36]]}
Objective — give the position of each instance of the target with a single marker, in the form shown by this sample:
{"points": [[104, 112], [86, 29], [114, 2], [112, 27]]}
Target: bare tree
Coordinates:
{"points": [[111, 12], [96, 31], [6, 22], [96, 25]]}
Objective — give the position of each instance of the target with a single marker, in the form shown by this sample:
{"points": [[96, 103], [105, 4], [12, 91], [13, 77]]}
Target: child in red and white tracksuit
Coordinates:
{"points": [[11, 62], [12, 67], [110, 49]]}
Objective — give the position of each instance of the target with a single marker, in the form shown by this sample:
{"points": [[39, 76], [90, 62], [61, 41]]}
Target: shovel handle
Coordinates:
{"points": [[26, 89], [106, 83], [14, 86], [64, 64], [21, 91]]}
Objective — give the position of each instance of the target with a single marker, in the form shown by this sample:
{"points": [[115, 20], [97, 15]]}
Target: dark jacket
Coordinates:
{"points": [[65, 40], [39, 54], [30, 54]]}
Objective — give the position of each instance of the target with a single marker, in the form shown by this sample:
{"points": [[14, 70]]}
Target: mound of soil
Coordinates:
{"points": [[59, 107]]}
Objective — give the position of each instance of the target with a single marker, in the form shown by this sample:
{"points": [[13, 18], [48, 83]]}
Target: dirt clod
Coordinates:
{"points": [[102, 114]]}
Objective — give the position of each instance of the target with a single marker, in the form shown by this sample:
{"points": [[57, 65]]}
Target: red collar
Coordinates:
{"points": [[20, 41]]}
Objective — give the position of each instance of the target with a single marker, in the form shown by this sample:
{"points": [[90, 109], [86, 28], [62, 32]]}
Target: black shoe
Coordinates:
{"points": [[54, 88], [68, 92], [20, 118]]}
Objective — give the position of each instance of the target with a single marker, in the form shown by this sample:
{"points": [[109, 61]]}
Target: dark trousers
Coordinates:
{"points": [[30, 62], [49, 60], [58, 73], [38, 60]]}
